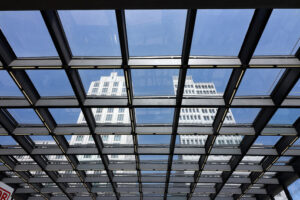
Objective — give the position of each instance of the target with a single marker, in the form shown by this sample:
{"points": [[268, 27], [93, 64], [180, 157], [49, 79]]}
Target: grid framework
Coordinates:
{"points": [[254, 186]]}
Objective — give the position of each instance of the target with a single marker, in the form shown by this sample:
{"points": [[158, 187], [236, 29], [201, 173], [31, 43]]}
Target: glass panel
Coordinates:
{"points": [[267, 140], [206, 82], [198, 115], [285, 116], [243, 115], [103, 82], [111, 115], [151, 82], [92, 32], [41, 140], [296, 89], [228, 140], [220, 32], [7, 86], [25, 116], [117, 141], [154, 115], [259, 81], [294, 189], [66, 115], [81, 140], [51, 82], [281, 35], [191, 140], [7, 140], [26, 33], [154, 157], [154, 139], [155, 32]]}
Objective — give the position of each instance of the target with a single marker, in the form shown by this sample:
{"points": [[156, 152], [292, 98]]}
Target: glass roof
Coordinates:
{"points": [[141, 103]]}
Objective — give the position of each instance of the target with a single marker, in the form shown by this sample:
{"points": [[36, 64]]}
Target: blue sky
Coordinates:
{"points": [[151, 33]]}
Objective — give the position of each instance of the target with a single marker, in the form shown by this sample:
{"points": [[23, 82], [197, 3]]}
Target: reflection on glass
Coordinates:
{"points": [[155, 32], [26, 33], [296, 89], [8, 86], [154, 115], [244, 115], [154, 157], [267, 140], [92, 32], [192, 140], [294, 189], [154, 139], [259, 81], [151, 82], [103, 82], [285, 116], [220, 32], [25, 116], [281, 35], [65, 115], [51, 82]]}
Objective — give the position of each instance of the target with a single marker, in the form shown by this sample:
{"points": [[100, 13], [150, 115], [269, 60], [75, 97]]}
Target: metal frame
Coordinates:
{"points": [[160, 186]]}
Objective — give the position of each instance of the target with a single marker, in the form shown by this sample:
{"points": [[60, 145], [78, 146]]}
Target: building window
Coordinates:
{"points": [[108, 117], [206, 118], [116, 84], [58, 157], [97, 117], [121, 110], [99, 110], [204, 110], [104, 137], [120, 117], [188, 117], [91, 138], [183, 117], [106, 84], [79, 138], [199, 117], [96, 84], [94, 90], [104, 90], [123, 90], [87, 156], [117, 138], [110, 110], [114, 156], [114, 90]]}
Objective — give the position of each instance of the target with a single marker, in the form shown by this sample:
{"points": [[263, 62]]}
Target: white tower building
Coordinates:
{"points": [[203, 116]]}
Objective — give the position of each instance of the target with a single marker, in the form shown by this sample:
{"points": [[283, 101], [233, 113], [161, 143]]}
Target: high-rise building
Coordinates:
{"points": [[203, 116]]}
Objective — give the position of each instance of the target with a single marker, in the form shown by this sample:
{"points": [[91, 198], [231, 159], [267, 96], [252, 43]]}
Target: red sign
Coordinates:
{"points": [[4, 194]]}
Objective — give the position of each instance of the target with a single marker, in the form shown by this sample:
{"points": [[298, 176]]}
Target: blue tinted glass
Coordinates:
{"points": [[220, 32], [91, 33], [281, 35], [294, 189], [7, 86], [65, 115], [154, 115], [26, 33], [51, 82], [244, 115], [296, 89], [259, 81], [267, 140], [153, 157], [25, 116], [155, 32], [207, 80], [154, 139], [151, 82], [285, 116], [105, 79]]}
